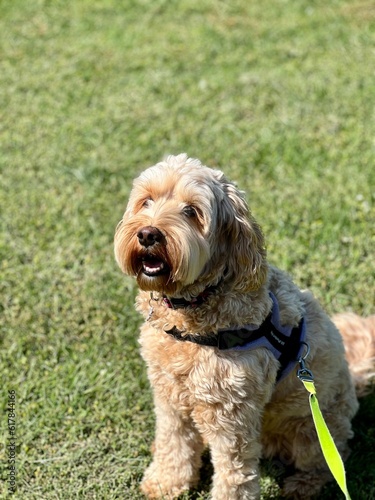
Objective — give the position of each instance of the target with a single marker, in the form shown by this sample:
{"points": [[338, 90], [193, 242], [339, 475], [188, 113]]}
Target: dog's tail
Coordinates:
{"points": [[359, 341]]}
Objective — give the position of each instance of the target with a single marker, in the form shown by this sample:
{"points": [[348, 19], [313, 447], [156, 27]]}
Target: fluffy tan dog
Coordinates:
{"points": [[222, 335]]}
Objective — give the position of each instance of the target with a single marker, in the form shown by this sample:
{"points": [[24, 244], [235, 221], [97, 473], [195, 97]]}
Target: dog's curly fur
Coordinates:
{"points": [[187, 228]]}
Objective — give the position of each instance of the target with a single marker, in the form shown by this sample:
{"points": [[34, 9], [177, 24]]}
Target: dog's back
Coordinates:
{"points": [[359, 341]]}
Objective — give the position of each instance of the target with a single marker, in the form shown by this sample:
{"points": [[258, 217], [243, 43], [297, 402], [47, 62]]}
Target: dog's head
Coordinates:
{"points": [[187, 227]]}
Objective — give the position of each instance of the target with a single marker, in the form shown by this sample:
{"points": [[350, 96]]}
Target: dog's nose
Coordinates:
{"points": [[148, 236]]}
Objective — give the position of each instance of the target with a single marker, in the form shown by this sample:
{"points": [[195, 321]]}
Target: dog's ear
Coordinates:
{"points": [[243, 239]]}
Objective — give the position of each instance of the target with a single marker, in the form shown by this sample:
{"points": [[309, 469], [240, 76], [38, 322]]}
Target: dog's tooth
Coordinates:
{"points": [[153, 270]]}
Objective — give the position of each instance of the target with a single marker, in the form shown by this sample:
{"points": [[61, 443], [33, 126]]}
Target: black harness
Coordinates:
{"points": [[285, 342]]}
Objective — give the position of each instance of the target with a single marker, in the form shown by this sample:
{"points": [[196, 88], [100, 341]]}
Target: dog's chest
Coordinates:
{"points": [[174, 370], [189, 376]]}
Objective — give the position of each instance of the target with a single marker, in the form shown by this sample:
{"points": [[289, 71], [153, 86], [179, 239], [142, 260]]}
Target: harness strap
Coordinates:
{"points": [[285, 342]]}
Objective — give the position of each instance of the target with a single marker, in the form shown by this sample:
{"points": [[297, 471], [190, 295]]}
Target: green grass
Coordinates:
{"points": [[279, 94]]}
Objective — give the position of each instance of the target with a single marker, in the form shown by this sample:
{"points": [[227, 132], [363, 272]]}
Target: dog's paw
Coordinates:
{"points": [[158, 482], [163, 489], [304, 485]]}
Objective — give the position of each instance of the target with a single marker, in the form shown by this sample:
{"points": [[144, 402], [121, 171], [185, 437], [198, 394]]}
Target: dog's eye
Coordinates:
{"points": [[147, 203], [190, 211]]}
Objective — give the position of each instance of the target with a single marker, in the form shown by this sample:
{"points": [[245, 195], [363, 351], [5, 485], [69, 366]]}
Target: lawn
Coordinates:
{"points": [[279, 94]]}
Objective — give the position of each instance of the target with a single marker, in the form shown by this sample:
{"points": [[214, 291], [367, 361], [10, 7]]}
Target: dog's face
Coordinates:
{"points": [[186, 225]]}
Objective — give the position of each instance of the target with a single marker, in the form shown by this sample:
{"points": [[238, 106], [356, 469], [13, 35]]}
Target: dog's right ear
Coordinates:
{"points": [[243, 239]]}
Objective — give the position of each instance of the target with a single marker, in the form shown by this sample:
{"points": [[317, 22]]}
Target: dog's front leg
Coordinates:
{"points": [[235, 455], [232, 431], [177, 454]]}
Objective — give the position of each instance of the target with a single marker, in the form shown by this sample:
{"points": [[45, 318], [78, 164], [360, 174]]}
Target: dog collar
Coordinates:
{"points": [[285, 342], [181, 303]]}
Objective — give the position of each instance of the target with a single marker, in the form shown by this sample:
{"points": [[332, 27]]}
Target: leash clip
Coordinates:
{"points": [[304, 374]]}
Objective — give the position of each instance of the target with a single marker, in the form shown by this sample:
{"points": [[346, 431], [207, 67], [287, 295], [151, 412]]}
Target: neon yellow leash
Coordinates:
{"points": [[330, 452]]}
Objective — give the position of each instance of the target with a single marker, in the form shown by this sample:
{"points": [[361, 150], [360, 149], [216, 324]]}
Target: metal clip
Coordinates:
{"points": [[151, 311], [303, 373]]}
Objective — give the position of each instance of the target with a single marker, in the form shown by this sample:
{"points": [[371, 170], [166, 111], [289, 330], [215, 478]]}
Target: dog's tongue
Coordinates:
{"points": [[153, 264]]}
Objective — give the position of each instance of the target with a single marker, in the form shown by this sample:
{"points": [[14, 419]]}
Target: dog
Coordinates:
{"points": [[222, 337]]}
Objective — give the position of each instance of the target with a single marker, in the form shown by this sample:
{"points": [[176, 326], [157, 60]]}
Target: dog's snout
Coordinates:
{"points": [[149, 235]]}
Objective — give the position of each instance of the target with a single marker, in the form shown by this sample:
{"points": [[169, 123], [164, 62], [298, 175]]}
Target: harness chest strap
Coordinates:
{"points": [[285, 342]]}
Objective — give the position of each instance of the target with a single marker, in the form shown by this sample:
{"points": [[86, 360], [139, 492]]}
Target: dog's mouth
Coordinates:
{"points": [[154, 266]]}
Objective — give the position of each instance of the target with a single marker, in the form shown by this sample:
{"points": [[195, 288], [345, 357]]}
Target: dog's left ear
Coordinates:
{"points": [[243, 240]]}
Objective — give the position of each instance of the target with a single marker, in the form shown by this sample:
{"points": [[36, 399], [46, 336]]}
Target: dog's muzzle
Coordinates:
{"points": [[152, 262]]}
